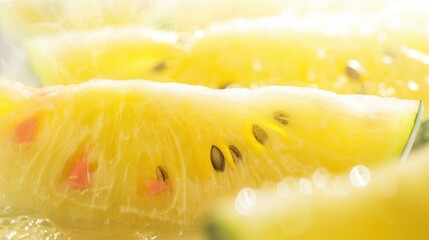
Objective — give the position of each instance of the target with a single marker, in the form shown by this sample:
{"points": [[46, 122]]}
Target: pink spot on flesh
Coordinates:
{"points": [[25, 132], [79, 176], [155, 187]]}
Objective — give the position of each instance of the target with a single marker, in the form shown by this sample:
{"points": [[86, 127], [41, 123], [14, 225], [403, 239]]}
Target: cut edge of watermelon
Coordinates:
{"points": [[413, 134], [422, 137], [12, 94]]}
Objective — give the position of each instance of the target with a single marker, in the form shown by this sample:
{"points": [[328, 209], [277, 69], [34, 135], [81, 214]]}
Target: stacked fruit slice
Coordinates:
{"points": [[23, 18], [359, 54], [384, 203], [144, 151]]}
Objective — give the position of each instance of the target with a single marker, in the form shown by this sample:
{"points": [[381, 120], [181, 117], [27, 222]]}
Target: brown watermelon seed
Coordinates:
{"points": [[160, 66], [225, 85], [161, 175], [354, 69], [281, 117], [235, 154], [259, 134], [217, 159]]}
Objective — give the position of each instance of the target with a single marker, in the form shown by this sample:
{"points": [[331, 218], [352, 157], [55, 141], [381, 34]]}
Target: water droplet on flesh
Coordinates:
{"points": [[360, 176], [413, 86], [305, 186], [283, 189], [321, 177], [245, 201]]}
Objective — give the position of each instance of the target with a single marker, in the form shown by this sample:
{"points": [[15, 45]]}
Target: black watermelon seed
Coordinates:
{"points": [[259, 134], [353, 70], [160, 66], [161, 175], [217, 159], [281, 118], [225, 86], [235, 154]]}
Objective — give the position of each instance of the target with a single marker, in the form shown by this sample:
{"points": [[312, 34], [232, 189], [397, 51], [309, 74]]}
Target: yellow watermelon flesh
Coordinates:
{"points": [[356, 54], [146, 152], [385, 202], [382, 54]]}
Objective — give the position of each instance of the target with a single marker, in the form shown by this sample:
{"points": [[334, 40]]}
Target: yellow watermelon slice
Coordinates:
{"points": [[141, 151], [337, 53], [23, 18], [382, 54], [382, 203]]}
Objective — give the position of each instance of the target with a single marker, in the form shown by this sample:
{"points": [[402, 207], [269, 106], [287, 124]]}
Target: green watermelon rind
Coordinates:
{"points": [[423, 134], [416, 132]]}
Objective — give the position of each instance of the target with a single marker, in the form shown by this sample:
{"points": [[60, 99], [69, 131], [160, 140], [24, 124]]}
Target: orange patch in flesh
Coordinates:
{"points": [[25, 132], [155, 187], [79, 176]]}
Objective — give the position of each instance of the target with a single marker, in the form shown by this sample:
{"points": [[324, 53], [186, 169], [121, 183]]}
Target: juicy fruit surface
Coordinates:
{"points": [[23, 18], [383, 54], [20, 18], [140, 151], [383, 203], [114, 53]]}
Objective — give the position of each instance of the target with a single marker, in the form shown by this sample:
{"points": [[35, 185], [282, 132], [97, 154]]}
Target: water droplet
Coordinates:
{"points": [[321, 177], [283, 189], [413, 86], [360, 176], [11, 235], [7, 222], [385, 92], [145, 235], [305, 186], [7, 209], [415, 54], [25, 235], [22, 218], [44, 223], [245, 201]]}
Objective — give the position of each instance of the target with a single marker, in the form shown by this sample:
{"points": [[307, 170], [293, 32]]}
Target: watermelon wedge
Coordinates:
{"points": [[380, 203], [141, 151]]}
